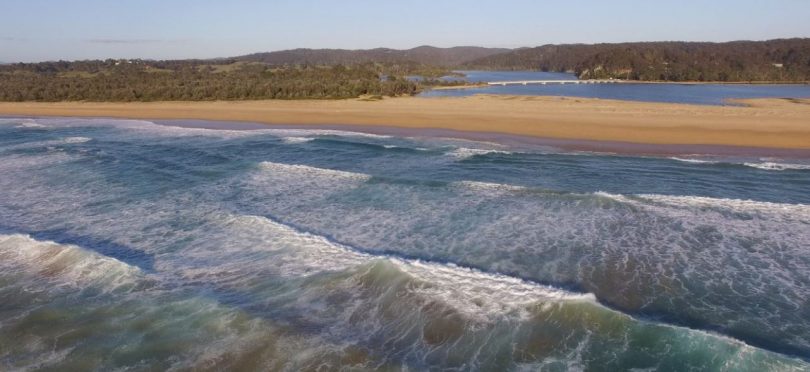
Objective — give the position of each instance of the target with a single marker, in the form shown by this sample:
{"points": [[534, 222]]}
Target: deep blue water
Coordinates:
{"points": [[705, 94], [126, 244]]}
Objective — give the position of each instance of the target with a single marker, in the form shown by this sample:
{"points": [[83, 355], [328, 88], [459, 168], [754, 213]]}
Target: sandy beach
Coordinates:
{"points": [[764, 123]]}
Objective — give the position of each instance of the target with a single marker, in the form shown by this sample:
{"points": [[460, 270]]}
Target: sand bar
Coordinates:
{"points": [[763, 123]]}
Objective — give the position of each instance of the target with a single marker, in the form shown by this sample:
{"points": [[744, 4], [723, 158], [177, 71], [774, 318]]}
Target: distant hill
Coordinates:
{"points": [[773, 60], [427, 55]]}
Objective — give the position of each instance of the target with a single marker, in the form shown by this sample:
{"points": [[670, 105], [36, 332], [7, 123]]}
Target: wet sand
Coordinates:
{"points": [[760, 123]]}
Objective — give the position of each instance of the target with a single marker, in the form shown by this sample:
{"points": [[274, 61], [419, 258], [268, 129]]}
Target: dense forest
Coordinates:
{"points": [[774, 60], [137, 80]]}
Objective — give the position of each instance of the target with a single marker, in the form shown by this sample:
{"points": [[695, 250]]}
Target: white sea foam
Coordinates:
{"points": [[465, 152], [177, 130], [778, 166], [764, 165], [31, 124], [801, 211], [138, 126], [321, 132], [296, 140], [487, 186], [405, 147], [307, 171], [781, 209], [47, 144], [482, 295], [616, 197], [76, 139], [64, 265], [301, 253], [310, 134], [694, 161]]}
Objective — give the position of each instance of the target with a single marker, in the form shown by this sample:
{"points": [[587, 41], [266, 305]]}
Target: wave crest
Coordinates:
{"points": [[462, 153], [64, 265], [778, 166], [307, 171]]}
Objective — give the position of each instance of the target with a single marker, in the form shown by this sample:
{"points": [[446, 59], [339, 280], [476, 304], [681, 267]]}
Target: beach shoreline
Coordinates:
{"points": [[757, 124], [515, 142]]}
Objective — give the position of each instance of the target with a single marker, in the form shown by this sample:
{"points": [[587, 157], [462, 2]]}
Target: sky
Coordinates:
{"points": [[39, 30]]}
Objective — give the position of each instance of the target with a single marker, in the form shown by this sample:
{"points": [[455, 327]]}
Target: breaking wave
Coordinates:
{"points": [[762, 165], [778, 166], [64, 265], [462, 153]]}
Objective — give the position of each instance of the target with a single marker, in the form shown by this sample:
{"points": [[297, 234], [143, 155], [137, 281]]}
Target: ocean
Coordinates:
{"points": [[136, 245]]}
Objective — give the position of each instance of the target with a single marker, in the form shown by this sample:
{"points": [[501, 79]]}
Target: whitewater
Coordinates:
{"points": [[131, 244]]}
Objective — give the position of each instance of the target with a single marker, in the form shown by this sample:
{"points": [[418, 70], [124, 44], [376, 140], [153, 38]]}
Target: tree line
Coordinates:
{"points": [[193, 80], [786, 60]]}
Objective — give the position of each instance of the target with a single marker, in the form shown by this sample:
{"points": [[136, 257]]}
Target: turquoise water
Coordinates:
{"points": [[705, 94], [127, 244]]}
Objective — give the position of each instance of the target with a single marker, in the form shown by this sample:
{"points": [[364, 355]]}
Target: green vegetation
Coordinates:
{"points": [[785, 60], [191, 80], [336, 74]]}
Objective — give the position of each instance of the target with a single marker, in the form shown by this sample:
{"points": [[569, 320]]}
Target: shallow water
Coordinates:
{"points": [[131, 244], [704, 94]]}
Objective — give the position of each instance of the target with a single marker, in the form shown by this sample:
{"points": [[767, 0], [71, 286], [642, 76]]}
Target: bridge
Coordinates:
{"points": [[547, 82]]}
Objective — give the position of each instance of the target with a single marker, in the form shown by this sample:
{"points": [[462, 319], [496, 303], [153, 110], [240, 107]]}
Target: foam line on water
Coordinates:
{"points": [[31, 124], [763, 164], [487, 186], [296, 140], [801, 211], [693, 161], [22, 123], [175, 130], [778, 166], [405, 147], [307, 171], [322, 132], [739, 205], [462, 153], [135, 126]]}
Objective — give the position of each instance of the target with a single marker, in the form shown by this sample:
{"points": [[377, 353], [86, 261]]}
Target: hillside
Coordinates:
{"points": [[426, 55], [773, 60]]}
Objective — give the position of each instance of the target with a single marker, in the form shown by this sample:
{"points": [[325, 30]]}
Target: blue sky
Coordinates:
{"points": [[36, 30]]}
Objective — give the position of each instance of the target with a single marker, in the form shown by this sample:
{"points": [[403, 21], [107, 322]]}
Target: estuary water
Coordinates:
{"points": [[128, 244], [704, 94]]}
